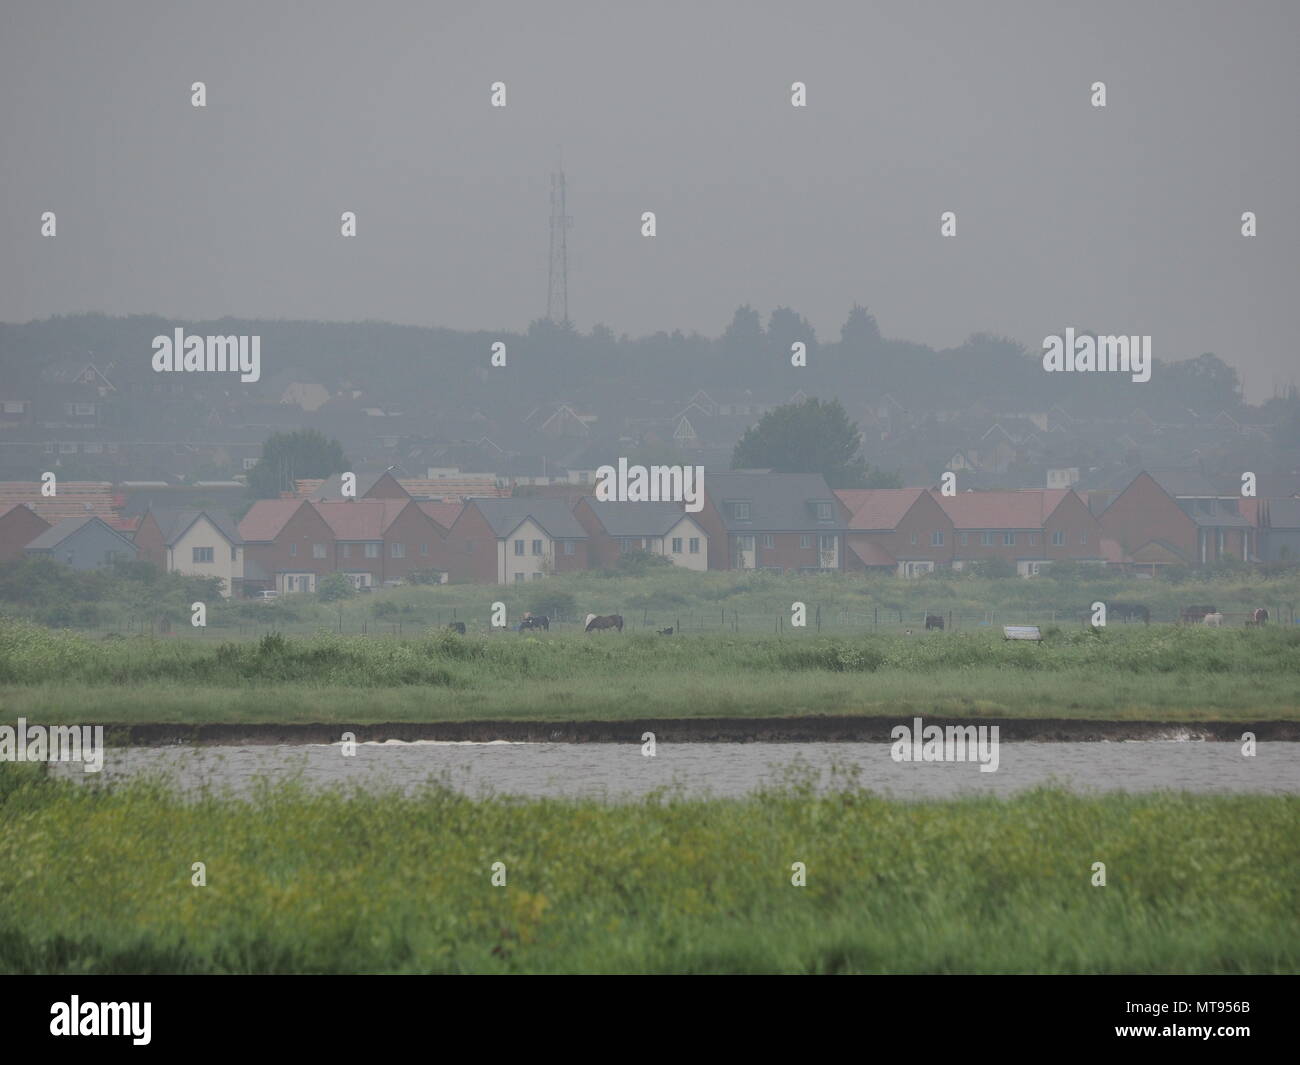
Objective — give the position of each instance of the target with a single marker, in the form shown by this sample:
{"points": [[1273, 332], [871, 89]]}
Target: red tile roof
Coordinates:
{"points": [[267, 517], [878, 508], [360, 519], [445, 514], [872, 554], [1001, 510]]}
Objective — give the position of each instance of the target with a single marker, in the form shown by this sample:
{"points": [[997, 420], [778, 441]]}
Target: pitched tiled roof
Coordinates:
{"points": [[777, 501], [56, 534], [174, 521], [635, 519], [267, 517], [445, 514], [878, 508], [1001, 510], [360, 519], [872, 554], [75, 499], [553, 515]]}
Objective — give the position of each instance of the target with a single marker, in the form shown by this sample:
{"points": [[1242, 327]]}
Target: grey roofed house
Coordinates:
{"points": [[553, 515], [82, 543], [635, 519], [779, 502], [175, 521]]}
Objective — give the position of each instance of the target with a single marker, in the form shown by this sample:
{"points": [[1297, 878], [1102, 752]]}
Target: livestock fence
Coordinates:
{"points": [[774, 620]]}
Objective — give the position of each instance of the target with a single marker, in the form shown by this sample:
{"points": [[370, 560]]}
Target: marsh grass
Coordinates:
{"points": [[1163, 671], [97, 879]]}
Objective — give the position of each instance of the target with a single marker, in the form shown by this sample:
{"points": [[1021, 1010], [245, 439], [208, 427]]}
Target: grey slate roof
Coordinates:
{"points": [[174, 521], [553, 515], [60, 531], [777, 501], [636, 519]]}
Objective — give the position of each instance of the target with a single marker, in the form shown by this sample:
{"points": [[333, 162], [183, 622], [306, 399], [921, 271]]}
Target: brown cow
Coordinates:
{"points": [[595, 622]]}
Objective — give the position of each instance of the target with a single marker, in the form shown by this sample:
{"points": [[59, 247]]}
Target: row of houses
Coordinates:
{"points": [[748, 520]]}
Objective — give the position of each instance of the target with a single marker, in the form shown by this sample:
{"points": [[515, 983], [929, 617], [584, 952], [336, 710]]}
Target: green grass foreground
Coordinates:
{"points": [[99, 880], [1163, 672]]}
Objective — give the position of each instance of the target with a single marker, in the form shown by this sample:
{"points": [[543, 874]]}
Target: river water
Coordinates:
{"points": [[621, 772]]}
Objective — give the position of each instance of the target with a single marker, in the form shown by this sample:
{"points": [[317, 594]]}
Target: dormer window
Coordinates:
{"points": [[740, 511], [824, 512]]}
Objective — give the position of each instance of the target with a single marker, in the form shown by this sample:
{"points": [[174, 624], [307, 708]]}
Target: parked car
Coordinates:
{"points": [[266, 595]]}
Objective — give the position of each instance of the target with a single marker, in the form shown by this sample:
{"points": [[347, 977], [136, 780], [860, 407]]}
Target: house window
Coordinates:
{"points": [[769, 540], [1008, 539], [469, 547], [913, 537], [828, 543], [986, 539], [293, 553], [424, 550], [317, 550], [677, 545], [519, 547], [234, 554], [347, 550], [805, 541], [695, 545], [372, 550], [1058, 539], [745, 543], [740, 511], [1083, 536], [824, 512], [1033, 539], [936, 538], [537, 547], [519, 578], [569, 547], [396, 550], [965, 539], [203, 554], [537, 576]]}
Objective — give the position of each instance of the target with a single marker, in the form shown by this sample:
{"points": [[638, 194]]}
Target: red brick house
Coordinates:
{"points": [[382, 539], [896, 530], [1150, 526], [288, 546], [19, 526], [773, 521], [1027, 529], [510, 541]]}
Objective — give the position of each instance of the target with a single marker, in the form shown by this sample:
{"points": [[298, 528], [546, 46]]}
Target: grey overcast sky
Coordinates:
{"points": [[1125, 219]]}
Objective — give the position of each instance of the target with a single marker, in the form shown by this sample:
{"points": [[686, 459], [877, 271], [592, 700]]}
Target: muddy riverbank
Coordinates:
{"points": [[808, 729]]}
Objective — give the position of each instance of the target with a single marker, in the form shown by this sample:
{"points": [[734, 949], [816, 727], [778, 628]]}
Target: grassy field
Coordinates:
{"points": [[99, 880], [1161, 672]]}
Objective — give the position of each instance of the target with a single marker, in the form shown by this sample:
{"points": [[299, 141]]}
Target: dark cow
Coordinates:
{"points": [[540, 621], [1130, 612], [666, 632], [1259, 617], [933, 621], [1194, 615], [457, 626], [596, 622]]}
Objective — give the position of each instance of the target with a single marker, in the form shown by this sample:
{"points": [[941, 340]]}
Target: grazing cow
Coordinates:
{"points": [[666, 632], [1130, 612], [605, 621], [1214, 620], [457, 626], [933, 621], [540, 621], [1192, 614], [1259, 617]]}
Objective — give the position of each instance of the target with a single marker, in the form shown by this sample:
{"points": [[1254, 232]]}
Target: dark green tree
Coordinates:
{"points": [[808, 437], [289, 457]]}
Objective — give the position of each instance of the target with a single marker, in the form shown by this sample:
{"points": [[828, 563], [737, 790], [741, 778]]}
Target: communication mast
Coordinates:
{"points": [[557, 291]]}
